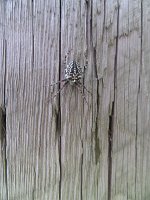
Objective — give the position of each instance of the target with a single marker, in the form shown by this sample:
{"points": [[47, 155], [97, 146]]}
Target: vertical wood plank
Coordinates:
{"points": [[73, 39], [63, 148], [143, 135], [3, 177], [128, 64], [32, 63], [95, 132], [130, 135]]}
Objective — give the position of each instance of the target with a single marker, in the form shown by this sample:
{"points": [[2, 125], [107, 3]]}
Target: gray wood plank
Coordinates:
{"points": [[32, 146], [95, 140], [64, 148], [72, 105], [3, 172], [130, 160]]}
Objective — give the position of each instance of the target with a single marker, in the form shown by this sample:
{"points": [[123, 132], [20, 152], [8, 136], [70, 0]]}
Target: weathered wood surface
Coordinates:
{"points": [[65, 149]]}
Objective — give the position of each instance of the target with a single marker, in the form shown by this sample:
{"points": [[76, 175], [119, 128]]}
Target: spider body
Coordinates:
{"points": [[73, 72]]}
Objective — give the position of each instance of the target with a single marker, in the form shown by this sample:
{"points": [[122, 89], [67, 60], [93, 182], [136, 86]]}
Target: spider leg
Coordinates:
{"points": [[66, 56], [59, 90], [58, 82], [84, 87], [84, 69], [85, 66], [55, 83], [86, 59], [83, 96]]}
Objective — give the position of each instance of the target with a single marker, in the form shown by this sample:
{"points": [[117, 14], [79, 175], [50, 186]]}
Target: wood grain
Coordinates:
{"points": [[64, 148]]}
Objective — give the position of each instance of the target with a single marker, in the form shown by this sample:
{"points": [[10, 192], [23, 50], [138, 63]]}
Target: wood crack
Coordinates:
{"points": [[59, 104], [97, 147], [104, 20], [110, 143], [82, 172], [111, 116], [3, 137], [4, 145], [138, 93], [32, 35]]}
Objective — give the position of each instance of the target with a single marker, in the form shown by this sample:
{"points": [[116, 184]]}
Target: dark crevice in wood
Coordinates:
{"points": [[127, 189], [97, 147], [104, 20], [19, 63], [3, 138], [86, 40], [111, 116], [34, 183], [91, 25], [93, 50], [3, 120], [87, 25], [56, 114], [5, 70], [32, 67], [110, 143], [141, 48], [82, 171], [4, 145], [116, 55], [59, 103], [141, 33], [138, 93], [94, 63], [136, 134], [32, 36]]}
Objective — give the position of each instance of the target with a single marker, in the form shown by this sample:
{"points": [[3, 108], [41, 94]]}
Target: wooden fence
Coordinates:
{"points": [[65, 148]]}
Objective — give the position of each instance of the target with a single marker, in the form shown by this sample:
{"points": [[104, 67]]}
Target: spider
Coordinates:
{"points": [[73, 74]]}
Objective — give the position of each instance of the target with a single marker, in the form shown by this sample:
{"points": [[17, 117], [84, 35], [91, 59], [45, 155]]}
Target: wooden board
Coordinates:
{"points": [[3, 166], [64, 148]]}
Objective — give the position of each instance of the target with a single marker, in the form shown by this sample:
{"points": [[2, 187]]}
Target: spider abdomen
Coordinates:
{"points": [[73, 71]]}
